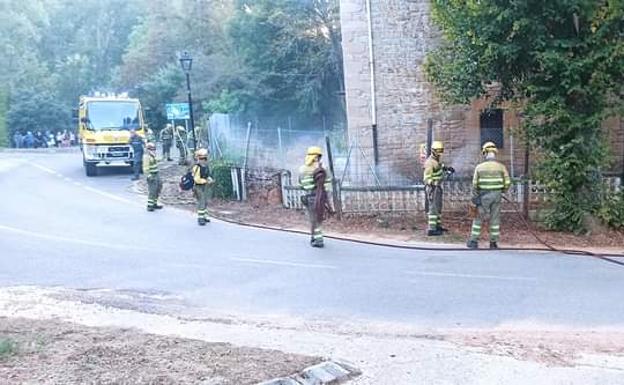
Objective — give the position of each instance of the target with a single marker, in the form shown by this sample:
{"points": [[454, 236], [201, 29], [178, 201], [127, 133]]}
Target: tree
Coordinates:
{"points": [[292, 50], [562, 61]]}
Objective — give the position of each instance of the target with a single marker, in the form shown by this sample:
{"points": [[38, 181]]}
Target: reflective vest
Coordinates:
{"points": [[201, 174], [433, 171], [491, 176], [166, 134], [306, 179], [150, 164]]}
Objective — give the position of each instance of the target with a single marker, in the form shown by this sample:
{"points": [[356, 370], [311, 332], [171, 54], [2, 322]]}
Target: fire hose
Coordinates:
{"points": [[607, 257]]}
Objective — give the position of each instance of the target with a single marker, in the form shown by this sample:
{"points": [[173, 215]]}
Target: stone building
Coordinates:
{"points": [[389, 88]]}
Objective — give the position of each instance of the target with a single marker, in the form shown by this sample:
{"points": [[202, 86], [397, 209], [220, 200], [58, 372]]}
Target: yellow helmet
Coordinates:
{"points": [[201, 153], [314, 150], [180, 128], [489, 147], [437, 146]]}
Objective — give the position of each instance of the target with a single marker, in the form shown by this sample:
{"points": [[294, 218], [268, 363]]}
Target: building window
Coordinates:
{"points": [[491, 123]]}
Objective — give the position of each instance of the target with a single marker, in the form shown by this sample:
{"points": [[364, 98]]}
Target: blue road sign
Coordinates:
{"points": [[177, 111]]}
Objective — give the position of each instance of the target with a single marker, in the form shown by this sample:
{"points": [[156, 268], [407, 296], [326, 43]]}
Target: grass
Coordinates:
{"points": [[8, 347]]}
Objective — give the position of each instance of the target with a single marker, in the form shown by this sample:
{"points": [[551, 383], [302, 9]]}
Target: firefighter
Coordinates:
{"points": [[154, 184], [434, 172], [490, 181], [317, 183], [166, 135], [180, 134], [203, 180], [150, 135], [136, 142]]}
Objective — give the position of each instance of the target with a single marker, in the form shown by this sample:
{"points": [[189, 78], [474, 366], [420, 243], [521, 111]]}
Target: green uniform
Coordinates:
{"points": [[181, 145], [490, 180], [434, 171], [306, 182], [201, 190], [166, 135], [150, 136], [154, 184]]}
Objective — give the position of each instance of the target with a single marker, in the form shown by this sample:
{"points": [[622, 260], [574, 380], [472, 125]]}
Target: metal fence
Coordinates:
{"points": [[397, 199], [272, 143]]}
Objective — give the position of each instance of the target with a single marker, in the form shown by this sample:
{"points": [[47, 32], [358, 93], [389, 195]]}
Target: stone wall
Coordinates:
{"points": [[403, 34]]}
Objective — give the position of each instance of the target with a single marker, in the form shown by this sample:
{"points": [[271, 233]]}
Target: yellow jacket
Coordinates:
{"points": [[197, 176]]}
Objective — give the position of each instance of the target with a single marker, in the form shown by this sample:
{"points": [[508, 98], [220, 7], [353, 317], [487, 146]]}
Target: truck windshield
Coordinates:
{"points": [[113, 115]]}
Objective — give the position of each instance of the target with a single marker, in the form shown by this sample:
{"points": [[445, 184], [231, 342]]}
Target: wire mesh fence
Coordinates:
{"points": [[273, 143]]}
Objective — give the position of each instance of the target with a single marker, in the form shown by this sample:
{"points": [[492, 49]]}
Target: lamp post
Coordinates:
{"points": [[186, 61]]}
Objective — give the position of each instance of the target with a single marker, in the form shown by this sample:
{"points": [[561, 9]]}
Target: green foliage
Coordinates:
{"points": [[221, 173], [8, 347], [33, 110], [569, 81], [4, 133], [161, 86], [292, 49], [226, 102], [258, 58], [57, 50], [611, 211]]}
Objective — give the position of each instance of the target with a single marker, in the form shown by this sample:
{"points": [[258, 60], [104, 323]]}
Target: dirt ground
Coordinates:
{"points": [[385, 353], [551, 348], [53, 352], [406, 227]]}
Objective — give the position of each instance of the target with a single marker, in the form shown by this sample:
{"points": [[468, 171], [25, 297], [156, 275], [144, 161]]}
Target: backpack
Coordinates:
{"points": [[187, 182]]}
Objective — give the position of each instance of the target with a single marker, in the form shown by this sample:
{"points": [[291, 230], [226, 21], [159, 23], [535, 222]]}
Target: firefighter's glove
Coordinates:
{"points": [[448, 170], [473, 211]]}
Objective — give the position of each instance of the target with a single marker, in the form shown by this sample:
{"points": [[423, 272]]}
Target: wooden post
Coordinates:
{"points": [[244, 172], [335, 194], [525, 187]]}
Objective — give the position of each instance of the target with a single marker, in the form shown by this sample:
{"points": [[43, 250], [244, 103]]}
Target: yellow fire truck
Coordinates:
{"points": [[104, 124]]}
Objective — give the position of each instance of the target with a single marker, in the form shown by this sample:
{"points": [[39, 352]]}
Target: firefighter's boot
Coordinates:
{"points": [[317, 243], [493, 245], [472, 244]]}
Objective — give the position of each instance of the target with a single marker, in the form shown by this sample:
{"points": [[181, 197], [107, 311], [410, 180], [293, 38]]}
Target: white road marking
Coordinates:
{"points": [[470, 276], [111, 196], [283, 263], [78, 241], [48, 170], [93, 190]]}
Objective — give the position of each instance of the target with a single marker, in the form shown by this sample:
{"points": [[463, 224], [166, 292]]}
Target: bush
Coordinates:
{"points": [[611, 211], [8, 347], [223, 179]]}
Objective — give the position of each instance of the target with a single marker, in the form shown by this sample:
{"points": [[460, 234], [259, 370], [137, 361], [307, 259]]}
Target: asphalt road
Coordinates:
{"points": [[58, 227]]}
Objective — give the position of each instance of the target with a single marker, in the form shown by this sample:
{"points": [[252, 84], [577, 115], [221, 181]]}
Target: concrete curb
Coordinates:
{"points": [[325, 373]]}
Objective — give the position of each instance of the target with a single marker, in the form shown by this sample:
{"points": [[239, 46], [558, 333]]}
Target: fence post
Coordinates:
{"points": [[279, 143], [335, 195], [285, 179], [244, 176]]}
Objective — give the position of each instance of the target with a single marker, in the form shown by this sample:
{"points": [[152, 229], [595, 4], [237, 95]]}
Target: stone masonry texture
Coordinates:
{"points": [[403, 34]]}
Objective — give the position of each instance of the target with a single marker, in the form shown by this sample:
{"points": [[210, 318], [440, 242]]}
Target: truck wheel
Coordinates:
{"points": [[90, 169]]}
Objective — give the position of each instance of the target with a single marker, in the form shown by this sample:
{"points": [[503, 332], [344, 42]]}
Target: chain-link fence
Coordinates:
{"points": [[270, 143]]}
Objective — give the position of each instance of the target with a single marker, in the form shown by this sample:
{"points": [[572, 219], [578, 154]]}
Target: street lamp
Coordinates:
{"points": [[186, 61]]}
